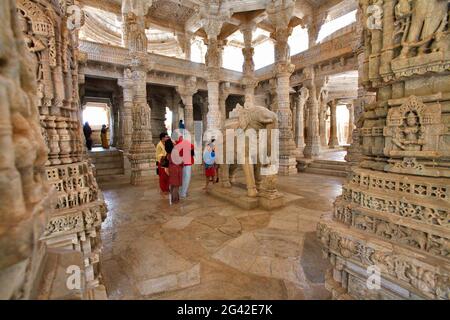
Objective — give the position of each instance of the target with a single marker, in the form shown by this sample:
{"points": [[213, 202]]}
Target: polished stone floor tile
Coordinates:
{"points": [[204, 248]]}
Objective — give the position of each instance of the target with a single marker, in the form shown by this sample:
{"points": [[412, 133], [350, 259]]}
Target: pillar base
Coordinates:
{"points": [[126, 165], [299, 151], [334, 143], [288, 166], [139, 178], [142, 173], [312, 150]]}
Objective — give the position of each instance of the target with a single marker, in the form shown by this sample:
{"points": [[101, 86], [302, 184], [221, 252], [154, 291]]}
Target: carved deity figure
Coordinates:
{"points": [[410, 134], [422, 23]]}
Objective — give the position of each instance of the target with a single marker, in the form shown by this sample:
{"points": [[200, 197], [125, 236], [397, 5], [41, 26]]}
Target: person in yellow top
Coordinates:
{"points": [[161, 155]]}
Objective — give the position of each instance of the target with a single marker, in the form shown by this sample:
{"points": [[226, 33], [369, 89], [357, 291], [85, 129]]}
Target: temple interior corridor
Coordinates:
{"points": [[224, 149]]}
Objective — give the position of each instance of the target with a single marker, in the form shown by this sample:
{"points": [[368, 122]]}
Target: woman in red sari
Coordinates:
{"points": [[175, 174]]}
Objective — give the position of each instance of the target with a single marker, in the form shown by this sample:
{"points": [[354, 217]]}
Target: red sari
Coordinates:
{"points": [[175, 173], [175, 179], [163, 179]]}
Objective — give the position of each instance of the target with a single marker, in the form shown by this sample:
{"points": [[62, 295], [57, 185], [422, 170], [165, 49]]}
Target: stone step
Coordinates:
{"points": [[333, 162], [109, 172], [109, 165], [118, 178], [336, 167], [118, 157], [105, 154], [327, 172]]}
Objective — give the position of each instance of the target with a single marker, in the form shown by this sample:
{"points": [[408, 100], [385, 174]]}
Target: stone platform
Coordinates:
{"points": [[234, 195], [206, 248], [237, 195]]}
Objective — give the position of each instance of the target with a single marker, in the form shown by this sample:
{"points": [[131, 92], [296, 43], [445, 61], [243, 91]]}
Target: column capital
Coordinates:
{"points": [[126, 81], [247, 30], [139, 61], [225, 89], [189, 87], [302, 95], [212, 22], [283, 68], [280, 13], [138, 7], [249, 81]]}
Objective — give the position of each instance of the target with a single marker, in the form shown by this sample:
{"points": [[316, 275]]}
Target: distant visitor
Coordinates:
{"points": [[104, 136], [87, 135]]}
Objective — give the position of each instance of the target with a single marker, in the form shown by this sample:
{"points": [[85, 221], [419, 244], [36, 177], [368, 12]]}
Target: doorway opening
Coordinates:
{"points": [[98, 114]]}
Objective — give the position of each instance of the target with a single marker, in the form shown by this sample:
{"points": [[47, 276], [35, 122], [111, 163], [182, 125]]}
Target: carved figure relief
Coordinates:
{"points": [[413, 129]]}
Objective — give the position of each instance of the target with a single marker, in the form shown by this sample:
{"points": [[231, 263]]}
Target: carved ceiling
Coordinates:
{"points": [[184, 15], [167, 18]]}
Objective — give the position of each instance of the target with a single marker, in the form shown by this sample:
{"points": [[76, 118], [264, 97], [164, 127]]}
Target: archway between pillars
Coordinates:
{"points": [[98, 111]]}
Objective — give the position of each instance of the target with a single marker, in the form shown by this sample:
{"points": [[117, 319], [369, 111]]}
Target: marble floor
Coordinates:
{"points": [[204, 248]]}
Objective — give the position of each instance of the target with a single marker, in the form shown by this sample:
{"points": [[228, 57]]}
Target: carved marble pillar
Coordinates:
{"points": [[315, 87], [175, 108], [351, 123], [186, 93], [213, 63], [185, 43], [248, 67], [301, 99], [25, 196], [392, 216], [224, 93], [334, 142], [133, 24], [279, 15], [314, 24], [361, 45], [142, 151], [125, 113], [323, 108], [214, 116], [213, 17], [73, 227], [354, 152]]}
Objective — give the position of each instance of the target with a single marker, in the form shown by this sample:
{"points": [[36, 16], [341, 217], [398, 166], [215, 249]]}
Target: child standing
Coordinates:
{"points": [[209, 157]]}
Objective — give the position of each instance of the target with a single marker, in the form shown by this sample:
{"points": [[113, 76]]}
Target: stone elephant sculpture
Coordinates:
{"points": [[428, 17], [257, 118]]}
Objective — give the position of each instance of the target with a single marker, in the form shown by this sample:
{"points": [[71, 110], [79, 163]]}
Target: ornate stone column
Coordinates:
{"points": [[301, 99], [351, 122], [314, 24], [175, 108], [185, 41], [224, 93], [248, 67], [360, 47], [323, 107], [126, 112], [78, 209], [142, 151], [315, 87], [388, 235], [213, 17], [280, 15], [186, 93], [334, 142]]}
